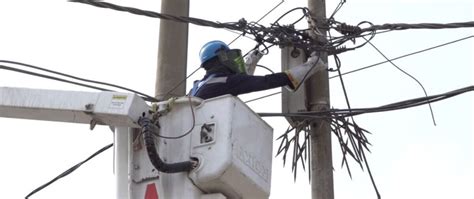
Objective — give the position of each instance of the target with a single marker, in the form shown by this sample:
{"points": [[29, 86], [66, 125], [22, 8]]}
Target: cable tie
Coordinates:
{"points": [[242, 23]]}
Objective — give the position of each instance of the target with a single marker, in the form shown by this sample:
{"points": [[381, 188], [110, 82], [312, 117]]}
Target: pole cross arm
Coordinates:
{"points": [[106, 108]]}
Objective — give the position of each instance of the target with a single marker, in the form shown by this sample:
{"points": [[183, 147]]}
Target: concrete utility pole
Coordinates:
{"points": [[172, 50], [317, 95]]}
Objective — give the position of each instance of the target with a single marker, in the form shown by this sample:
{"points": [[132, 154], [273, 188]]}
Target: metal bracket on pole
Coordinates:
{"points": [[293, 102]]}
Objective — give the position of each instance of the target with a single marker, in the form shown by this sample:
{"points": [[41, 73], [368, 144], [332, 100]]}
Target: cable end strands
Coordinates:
{"points": [[350, 136]]}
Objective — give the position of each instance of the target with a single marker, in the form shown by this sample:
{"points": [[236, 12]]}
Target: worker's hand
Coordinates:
{"points": [[303, 71], [251, 60]]}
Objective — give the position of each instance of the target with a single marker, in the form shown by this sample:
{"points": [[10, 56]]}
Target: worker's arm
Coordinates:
{"points": [[237, 84], [241, 84]]}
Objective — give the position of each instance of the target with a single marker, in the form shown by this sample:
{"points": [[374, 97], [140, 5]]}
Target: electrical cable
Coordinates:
{"points": [[50, 77], [145, 96], [167, 94], [338, 7], [184, 134], [232, 26], [239, 34], [275, 35], [265, 96], [383, 62], [352, 32], [338, 66], [342, 127], [337, 61], [69, 171], [355, 146], [265, 15], [148, 129], [405, 55], [305, 12], [405, 26], [419, 83], [333, 46], [288, 35], [266, 68], [337, 113], [370, 174]]}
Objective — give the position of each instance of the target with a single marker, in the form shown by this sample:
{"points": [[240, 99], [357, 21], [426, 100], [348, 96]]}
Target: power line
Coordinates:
{"points": [[276, 34], [411, 76], [156, 128], [196, 21], [266, 68], [50, 77], [265, 15], [403, 56], [350, 30], [145, 96], [338, 7], [405, 26], [181, 82], [288, 35], [383, 62], [265, 96], [69, 171], [332, 46], [410, 103]]}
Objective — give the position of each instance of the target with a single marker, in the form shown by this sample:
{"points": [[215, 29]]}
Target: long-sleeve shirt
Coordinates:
{"points": [[215, 84]]}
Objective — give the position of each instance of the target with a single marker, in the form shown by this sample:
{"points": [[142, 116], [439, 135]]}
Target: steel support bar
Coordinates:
{"points": [[122, 144], [106, 108]]}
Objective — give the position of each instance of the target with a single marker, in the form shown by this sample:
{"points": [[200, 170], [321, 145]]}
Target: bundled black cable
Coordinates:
{"points": [[147, 129], [336, 113], [3, 67], [67, 172], [275, 35]]}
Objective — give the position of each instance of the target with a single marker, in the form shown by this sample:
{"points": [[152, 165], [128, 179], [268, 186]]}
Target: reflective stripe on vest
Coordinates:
{"points": [[209, 80]]}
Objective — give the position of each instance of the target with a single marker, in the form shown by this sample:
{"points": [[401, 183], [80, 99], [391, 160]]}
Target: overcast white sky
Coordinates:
{"points": [[411, 158]]}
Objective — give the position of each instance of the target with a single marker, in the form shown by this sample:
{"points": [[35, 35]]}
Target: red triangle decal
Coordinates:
{"points": [[151, 192]]}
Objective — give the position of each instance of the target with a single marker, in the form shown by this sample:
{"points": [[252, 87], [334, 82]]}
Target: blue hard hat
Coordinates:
{"points": [[210, 49]]}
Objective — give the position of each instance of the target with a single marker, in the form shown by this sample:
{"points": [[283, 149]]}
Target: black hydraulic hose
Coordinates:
{"points": [[153, 155]]}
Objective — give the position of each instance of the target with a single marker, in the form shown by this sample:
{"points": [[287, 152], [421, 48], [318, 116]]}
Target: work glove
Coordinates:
{"points": [[251, 61], [303, 71]]}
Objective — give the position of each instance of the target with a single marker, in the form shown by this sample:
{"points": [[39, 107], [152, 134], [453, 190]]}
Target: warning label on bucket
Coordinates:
{"points": [[118, 101]]}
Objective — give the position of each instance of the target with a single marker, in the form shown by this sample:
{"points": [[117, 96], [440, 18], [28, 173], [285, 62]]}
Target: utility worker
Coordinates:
{"points": [[228, 73]]}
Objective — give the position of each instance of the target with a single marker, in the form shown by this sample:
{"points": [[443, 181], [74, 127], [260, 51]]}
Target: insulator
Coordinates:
{"points": [[348, 29], [337, 50]]}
